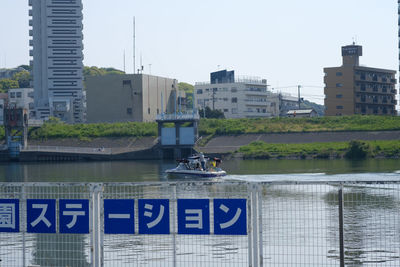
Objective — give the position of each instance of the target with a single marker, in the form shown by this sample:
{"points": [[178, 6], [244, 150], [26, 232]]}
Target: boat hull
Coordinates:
{"points": [[194, 174]]}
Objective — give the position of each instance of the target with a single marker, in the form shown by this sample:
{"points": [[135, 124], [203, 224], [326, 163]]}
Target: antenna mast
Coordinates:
{"points": [[134, 46], [124, 62]]}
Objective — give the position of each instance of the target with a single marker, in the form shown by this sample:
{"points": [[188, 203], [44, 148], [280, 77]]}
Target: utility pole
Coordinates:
{"points": [[134, 45], [298, 91]]}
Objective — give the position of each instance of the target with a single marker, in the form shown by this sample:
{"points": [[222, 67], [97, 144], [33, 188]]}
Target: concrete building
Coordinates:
{"points": [[354, 89], [3, 101], [302, 113], [286, 103], [130, 97], [236, 97], [57, 58], [22, 98]]}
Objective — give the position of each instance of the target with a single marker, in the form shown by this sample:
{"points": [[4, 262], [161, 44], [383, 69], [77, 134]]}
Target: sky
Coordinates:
{"points": [[287, 42]]}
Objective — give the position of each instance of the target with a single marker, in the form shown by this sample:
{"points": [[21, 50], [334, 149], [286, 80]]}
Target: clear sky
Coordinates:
{"points": [[288, 42]]}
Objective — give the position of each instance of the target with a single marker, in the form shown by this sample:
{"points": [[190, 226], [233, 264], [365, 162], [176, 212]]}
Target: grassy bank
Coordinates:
{"points": [[285, 125], [87, 131], [211, 127], [353, 150]]}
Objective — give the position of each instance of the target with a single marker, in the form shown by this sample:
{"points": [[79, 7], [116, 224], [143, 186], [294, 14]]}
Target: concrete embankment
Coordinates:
{"points": [[130, 148], [227, 144]]}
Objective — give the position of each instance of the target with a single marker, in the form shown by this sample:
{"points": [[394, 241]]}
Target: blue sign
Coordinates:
{"points": [[194, 216], [154, 216], [230, 217], [9, 215], [119, 216], [41, 215], [74, 216]]}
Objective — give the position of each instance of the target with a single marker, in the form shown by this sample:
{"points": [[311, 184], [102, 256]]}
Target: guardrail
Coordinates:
{"points": [[62, 149], [203, 223]]}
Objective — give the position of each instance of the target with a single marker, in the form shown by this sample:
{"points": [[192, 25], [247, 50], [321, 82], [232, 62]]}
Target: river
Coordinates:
{"points": [[300, 221], [147, 171]]}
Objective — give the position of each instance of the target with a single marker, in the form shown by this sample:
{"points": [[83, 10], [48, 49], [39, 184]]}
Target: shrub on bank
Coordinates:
{"points": [[350, 150]]}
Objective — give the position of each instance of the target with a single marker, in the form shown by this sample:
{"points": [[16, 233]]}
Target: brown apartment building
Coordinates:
{"points": [[354, 89]]}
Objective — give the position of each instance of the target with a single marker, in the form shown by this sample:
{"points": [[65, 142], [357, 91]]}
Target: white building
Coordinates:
{"points": [[57, 58], [22, 98], [237, 98]]}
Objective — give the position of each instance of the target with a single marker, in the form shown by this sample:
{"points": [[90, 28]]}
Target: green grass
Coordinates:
{"points": [[261, 149], [85, 131], [211, 127], [285, 125]]}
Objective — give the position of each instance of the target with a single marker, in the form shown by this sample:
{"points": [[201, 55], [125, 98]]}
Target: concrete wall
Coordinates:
{"points": [[133, 97], [339, 91]]}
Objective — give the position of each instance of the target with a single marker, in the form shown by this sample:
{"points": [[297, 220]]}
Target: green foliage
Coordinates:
{"points": [[357, 150], [349, 150], [320, 109], [23, 78], [209, 113], [95, 71], [26, 67], [6, 84], [188, 89], [285, 125], [54, 129], [318, 150]]}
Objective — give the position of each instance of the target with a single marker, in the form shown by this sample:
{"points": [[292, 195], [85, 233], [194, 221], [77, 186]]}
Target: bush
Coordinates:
{"points": [[357, 150]]}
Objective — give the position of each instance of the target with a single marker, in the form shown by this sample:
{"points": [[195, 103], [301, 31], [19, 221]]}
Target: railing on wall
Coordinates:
{"points": [[202, 223]]}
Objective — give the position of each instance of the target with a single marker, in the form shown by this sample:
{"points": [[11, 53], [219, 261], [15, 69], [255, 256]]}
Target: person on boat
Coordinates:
{"points": [[202, 161]]}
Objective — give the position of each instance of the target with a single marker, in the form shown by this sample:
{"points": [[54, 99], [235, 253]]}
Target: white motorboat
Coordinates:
{"points": [[192, 167]]}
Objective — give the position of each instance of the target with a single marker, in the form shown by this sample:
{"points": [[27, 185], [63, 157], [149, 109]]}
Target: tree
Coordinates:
{"points": [[23, 78], [211, 114], [6, 84], [188, 89]]}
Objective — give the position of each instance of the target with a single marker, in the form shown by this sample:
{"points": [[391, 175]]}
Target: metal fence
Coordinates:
{"points": [[286, 224]]}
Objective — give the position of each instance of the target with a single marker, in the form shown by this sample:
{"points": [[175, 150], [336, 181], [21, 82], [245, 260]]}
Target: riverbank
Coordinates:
{"points": [[314, 145]]}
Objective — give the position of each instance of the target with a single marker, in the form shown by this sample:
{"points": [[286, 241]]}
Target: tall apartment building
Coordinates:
{"points": [[130, 97], [57, 59], [354, 89], [236, 97]]}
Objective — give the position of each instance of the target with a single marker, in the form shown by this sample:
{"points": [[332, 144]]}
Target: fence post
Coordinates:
{"points": [[260, 227], [95, 235], [22, 200], [250, 225], [255, 224], [341, 227]]}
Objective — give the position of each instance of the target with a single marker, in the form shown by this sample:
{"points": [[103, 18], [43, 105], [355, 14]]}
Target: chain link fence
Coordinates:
{"points": [[286, 224]]}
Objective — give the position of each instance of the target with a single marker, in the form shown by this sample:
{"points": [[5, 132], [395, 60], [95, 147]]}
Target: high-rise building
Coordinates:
{"points": [[354, 89], [57, 59]]}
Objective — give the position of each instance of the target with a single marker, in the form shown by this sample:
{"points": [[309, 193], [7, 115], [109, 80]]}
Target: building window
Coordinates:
{"points": [[12, 95], [339, 107], [234, 90], [200, 91], [200, 102], [339, 73], [234, 99], [148, 110], [234, 111], [19, 94], [226, 110], [129, 111], [127, 82], [215, 89], [339, 85], [339, 96]]}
